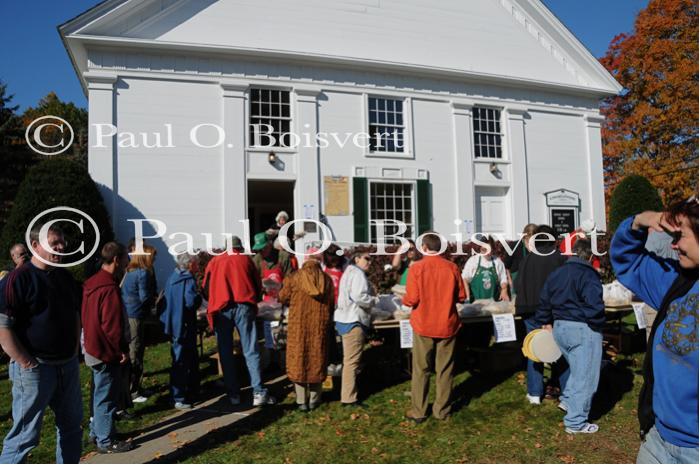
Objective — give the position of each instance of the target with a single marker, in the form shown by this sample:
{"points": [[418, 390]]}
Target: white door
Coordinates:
{"points": [[492, 212]]}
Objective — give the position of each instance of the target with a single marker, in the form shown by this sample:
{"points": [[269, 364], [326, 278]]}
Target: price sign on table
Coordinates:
{"points": [[504, 328], [406, 334], [640, 317]]}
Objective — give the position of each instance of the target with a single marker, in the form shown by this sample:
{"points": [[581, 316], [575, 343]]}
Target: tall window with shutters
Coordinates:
{"points": [[407, 201], [391, 201]]}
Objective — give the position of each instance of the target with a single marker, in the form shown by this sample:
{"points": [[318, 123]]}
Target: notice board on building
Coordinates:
{"points": [[336, 194], [563, 220]]}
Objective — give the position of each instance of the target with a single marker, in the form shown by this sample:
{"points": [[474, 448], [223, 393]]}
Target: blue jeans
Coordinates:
{"points": [[184, 375], [241, 316], [655, 450], [582, 348], [56, 386], [107, 380], [535, 371]]}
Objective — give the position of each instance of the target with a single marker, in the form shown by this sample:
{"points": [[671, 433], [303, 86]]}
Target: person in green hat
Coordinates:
{"points": [[260, 241]]}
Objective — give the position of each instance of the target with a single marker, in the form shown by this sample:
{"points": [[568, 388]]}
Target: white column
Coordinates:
{"points": [[101, 155], [595, 200], [516, 139], [463, 161], [233, 164], [307, 192]]}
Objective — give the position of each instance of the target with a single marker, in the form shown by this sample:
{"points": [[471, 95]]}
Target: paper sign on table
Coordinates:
{"points": [[640, 317], [406, 334], [504, 328]]}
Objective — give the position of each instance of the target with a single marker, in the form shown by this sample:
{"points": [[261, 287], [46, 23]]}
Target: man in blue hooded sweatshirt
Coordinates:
{"points": [[572, 300], [180, 323]]}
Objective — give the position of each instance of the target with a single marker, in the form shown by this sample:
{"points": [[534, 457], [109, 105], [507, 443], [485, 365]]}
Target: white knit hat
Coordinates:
{"points": [[587, 226]]}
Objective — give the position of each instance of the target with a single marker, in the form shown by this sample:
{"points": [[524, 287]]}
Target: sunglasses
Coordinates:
{"points": [[366, 258]]}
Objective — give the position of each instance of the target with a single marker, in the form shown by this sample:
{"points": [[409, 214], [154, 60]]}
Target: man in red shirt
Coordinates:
{"points": [[234, 289], [106, 344], [434, 287]]}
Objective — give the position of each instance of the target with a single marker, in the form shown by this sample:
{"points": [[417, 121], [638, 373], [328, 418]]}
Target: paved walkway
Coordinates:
{"points": [[172, 433]]}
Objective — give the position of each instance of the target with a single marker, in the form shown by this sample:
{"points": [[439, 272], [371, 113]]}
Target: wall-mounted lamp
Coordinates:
{"points": [[493, 168], [272, 157]]}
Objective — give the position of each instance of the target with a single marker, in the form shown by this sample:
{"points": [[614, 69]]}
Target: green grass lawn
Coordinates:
{"points": [[491, 423]]}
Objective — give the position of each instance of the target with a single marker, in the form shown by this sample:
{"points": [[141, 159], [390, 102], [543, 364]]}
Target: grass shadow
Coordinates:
{"points": [[616, 380], [475, 386]]}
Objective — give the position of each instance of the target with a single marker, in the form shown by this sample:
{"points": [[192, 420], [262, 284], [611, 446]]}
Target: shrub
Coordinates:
{"points": [[633, 195], [52, 183]]}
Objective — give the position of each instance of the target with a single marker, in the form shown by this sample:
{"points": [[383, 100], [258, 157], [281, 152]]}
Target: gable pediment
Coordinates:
{"points": [[516, 39]]}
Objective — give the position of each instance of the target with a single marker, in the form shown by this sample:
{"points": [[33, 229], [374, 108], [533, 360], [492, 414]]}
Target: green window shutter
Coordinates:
{"points": [[424, 206], [360, 196]]}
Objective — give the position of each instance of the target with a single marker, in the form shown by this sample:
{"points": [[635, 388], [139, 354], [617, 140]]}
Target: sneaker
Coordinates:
{"points": [[587, 428], [139, 399], [303, 408], [234, 399], [116, 447], [534, 399], [125, 415], [182, 405], [263, 399], [562, 406], [312, 406]]}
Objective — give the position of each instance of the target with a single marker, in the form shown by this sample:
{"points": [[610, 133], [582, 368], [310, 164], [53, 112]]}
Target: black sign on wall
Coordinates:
{"points": [[562, 220]]}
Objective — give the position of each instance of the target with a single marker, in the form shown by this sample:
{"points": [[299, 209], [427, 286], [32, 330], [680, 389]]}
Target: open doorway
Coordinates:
{"points": [[265, 199]]}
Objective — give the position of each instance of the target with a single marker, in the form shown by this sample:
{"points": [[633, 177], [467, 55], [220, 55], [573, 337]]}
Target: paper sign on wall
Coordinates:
{"points": [[336, 195], [406, 334], [640, 317], [504, 328]]}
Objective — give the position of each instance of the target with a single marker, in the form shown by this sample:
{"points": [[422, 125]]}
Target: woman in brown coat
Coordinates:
{"points": [[310, 295]]}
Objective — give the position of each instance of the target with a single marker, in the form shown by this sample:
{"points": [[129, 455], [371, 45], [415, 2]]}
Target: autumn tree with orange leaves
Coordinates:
{"points": [[652, 129]]}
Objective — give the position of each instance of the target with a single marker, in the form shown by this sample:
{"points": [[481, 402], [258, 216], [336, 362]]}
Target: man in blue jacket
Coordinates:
{"points": [[572, 300], [180, 322]]}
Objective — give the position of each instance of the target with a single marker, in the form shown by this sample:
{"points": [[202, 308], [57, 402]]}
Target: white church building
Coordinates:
{"points": [[487, 115]]}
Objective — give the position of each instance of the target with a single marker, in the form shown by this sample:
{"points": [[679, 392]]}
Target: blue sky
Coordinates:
{"points": [[35, 62]]}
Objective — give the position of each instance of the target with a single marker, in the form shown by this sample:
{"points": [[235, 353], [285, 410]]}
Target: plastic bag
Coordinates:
{"points": [[389, 303], [499, 307], [469, 310], [269, 310], [378, 314], [615, 294], [403, 312]]}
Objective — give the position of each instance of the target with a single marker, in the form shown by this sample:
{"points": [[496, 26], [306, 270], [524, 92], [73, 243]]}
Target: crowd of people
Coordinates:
{"points": [[47, 321]]}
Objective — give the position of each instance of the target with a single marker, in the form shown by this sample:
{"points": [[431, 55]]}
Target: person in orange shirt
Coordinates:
{"points": [[434, 287]]}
